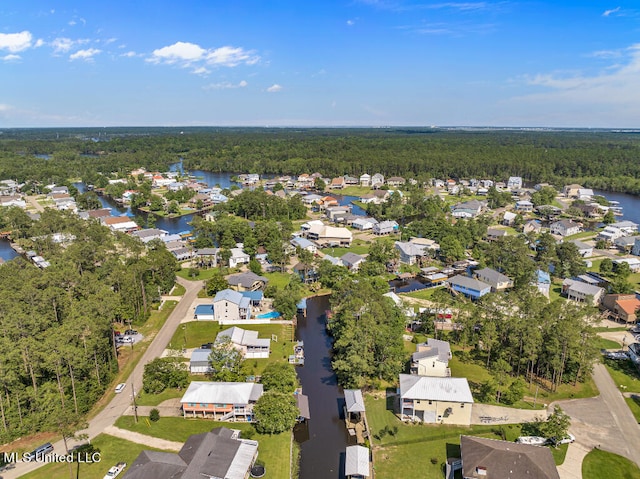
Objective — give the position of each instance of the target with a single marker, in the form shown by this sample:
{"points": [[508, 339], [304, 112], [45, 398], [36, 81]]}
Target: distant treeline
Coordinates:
{"points": [[599, 159]]}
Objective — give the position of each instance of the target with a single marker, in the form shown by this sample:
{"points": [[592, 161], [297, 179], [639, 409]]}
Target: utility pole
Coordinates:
{"points": [[135, 406]]}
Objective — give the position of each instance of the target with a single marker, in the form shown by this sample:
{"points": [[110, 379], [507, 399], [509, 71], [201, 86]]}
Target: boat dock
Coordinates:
{"points": [[297, 357]]}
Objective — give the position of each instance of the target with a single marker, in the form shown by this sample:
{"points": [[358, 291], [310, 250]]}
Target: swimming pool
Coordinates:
{"points": [[271, 315]]}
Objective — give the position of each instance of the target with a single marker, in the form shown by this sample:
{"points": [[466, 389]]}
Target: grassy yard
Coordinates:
{"points": [[624, 375], [279, 280], [112, 451], [357, 247], [602, 343], [426, 293], [634, 405], [581, 236], [272, 450], [421, 450], [203, 274], [598, 464], [178, 290]]}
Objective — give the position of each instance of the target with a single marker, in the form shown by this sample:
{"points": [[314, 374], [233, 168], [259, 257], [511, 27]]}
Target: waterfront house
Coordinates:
{"points": [[351, 180], [484, 458], [431, 359], [326, 236], [307, 272], [123, 224], [564, 228], [625, 243], [337, 183], [247, 342], [216, 454], [364, 224], [377, 180], [221, 401], [585, 250], [385, 227], [149, 234], [469, 287], [365, 180], [571, 191], [230, 306], [247, 281], [333, 212], [415, 251], [395, 181], [435, 399], [497, 281]]}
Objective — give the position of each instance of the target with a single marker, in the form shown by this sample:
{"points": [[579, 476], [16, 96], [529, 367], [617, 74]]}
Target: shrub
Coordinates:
{"points": [[154, 415]]}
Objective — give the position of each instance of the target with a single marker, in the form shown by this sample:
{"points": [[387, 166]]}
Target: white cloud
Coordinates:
{"points": [[202, 71], [225, 85], [611, 95], [5, 107], [86, 55], [63, 45], [274, 88], [129, 54], [11, 57], [178, 52], [15, 42], [231, 56], [607, 13], [351, 23], [39, 43], [187, 55]]}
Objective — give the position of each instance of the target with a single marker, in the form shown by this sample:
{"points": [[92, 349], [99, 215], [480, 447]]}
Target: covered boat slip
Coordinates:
{"points": [[354, 415], [357, 464]]}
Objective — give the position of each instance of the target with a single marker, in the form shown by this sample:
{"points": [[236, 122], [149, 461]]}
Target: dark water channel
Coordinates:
{"points": [[324, 438]]}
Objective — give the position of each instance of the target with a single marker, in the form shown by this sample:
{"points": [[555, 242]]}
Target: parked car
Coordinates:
{"points": [[39, 451], [532, 440], [616, 355], [117, 333], [124, 339], [130, 332], [206, 346], [115, 470], [120, 387], [568, 439]]}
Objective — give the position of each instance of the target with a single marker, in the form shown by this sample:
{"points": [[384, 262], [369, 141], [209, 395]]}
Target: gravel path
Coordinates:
{"points": [[149, 441]]}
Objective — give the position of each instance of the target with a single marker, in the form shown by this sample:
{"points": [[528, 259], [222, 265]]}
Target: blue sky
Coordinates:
{"points": [[320, 63]]}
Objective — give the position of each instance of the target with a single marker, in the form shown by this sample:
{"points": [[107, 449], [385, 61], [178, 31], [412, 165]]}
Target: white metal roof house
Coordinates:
{"points": [[247, 342], [199, 361], [221, 400], [564, 228], [238, 256], [357, 465], [385, 227], [435, 399], [431, 359]]}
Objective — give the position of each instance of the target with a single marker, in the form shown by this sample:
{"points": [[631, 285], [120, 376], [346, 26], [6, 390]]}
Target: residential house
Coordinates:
{"points": [[385, 227], [13, 200], [435, 399], [311, 199], [304, 244], [585, 194], [333, 212], [325, 235], [509, 218], [617, 230], [365, 180], [484, 458], [238, 256], [497, 281], [469, 287], [585, 250], [230, 306], [120, 223], [623, 307], [364, 224], [494, 234], [564, 228], [182, 253], [625, 243], [334, 261], [247, 342], [376, 197], [377, 180], [221, 401], [582, 292], [216, 454], [357, 464], [247, 281], [532, 226], [432, 359], [634, 263], [206, 257], [149, 234], [413, 252], [199, 362], [350, 180], [514, 183], [468, 209], [307, 272], [524, 206], [395, 181], [337, 183], [352, 261], [571, 191], [636, 247], [542, 282]]}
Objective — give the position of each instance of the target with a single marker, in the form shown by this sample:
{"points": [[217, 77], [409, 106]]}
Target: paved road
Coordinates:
{"points": [[604, 421], [122, 402]]}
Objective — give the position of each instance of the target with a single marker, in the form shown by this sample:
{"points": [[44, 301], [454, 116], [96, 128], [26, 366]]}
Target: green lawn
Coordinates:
{"points": [[178, 290], [203, 274], [634, 405], [624, 375], [112, 451], [421, 450], [581, 236], [602, 343], [272, 450], [598, 464], [422, 293], [279, 280]]}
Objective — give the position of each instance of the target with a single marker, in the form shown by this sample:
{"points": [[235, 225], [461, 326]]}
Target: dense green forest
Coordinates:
{"points": [[57, 353], [598, 159]]}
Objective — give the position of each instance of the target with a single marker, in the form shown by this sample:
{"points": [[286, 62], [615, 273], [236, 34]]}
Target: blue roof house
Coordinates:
{"points": [[469, 287]]}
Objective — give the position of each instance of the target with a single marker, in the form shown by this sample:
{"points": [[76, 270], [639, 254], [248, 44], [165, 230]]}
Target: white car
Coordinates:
{"points": [[120, 387], [532, 440], [115, 470], [124, 339], [568, 439]]}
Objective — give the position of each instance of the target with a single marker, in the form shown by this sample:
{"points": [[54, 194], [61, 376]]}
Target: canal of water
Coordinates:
{"points": [[324, 438]]}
